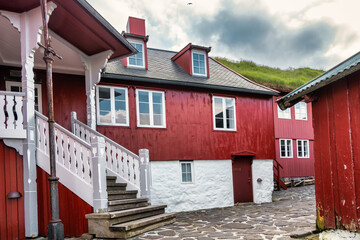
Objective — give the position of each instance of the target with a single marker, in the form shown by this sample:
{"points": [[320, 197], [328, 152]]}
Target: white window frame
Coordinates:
{"points": [[302, 148], [205, 62], [112, 106], [284, 114], [135, 41], [192, 171], [224, 113], [9, 84], [298, 113], [151, 111], [291, 148]]}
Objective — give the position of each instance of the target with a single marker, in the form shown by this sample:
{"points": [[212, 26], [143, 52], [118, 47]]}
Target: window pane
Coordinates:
{"points": [[306, 149], [132, 61], [157, 97], [157, 108], [105, 105], [143, 96], [144, 108], [104, 93], [119, 94], [157, 120], [189, 177], [218, 108], [183, 168], [105, 116], [195, 56], [201, 57], [139, 62], [120, 116], [230, 123], [15, 89], [202, 71], [144, 119]]}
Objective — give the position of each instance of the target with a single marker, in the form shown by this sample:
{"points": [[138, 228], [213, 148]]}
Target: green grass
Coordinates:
{"points": [[276, 78]]}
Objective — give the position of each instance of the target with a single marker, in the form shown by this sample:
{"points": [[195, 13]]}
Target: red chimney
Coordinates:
{"points": [[136, 35]]}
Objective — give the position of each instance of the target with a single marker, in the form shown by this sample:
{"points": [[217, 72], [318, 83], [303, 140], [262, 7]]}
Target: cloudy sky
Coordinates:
{"points": [[279, 33]]}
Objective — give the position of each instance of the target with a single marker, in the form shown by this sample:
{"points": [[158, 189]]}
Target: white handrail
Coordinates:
{"points": [[120, 161], [73, 158]]}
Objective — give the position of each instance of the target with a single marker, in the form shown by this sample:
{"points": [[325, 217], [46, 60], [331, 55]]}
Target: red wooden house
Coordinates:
{"points": [[335, 100], [294, 140]]}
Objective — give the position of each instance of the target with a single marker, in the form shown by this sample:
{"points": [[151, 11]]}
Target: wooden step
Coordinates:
{"points": [[110, 179], [120, 194], [132, 228], [116, 205]]}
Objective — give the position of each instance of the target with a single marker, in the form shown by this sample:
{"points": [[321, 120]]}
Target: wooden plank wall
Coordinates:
{"points": [[189, 130], [72, 208], [337, 154], [12, 223]]}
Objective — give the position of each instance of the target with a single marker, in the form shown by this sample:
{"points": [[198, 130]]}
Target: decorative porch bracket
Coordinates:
{"points": [[145, 174], [100, 199], [93, 66], [29, 25]]}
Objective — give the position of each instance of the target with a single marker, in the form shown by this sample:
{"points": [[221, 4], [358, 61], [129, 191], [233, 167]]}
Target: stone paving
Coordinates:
{"points": [[291, 211]]}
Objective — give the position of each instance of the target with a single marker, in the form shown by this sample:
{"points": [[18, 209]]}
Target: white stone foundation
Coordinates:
{"points": [[212, 185], [262, 180], [339, 235]]}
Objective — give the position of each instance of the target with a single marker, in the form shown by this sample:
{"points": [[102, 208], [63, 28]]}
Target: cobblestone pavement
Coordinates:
{"points": [[291, 211]]}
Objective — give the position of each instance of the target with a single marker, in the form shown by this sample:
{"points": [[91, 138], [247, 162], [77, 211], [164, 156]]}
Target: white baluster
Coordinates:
{"points": [[113, 158], [2, 112], [9, 108], [19, 113]]}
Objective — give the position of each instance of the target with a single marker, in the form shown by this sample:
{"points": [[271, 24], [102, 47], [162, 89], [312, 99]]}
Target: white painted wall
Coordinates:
{"points": [[262, 190], [339, 235], [212, 185]]}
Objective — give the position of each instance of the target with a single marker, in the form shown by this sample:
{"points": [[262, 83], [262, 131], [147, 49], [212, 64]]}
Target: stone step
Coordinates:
{"points": [[99, 223], [116, 205], [110, 179], [120, 194], [132, 228], [111, 186]]}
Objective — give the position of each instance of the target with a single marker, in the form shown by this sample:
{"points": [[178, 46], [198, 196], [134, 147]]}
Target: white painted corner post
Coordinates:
{"points": [[93, 67], [100, 198], [29, 25], [145, 174]]}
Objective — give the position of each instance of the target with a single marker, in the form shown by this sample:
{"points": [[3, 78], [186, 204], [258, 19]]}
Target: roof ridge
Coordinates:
{"points": [[245, 78]]}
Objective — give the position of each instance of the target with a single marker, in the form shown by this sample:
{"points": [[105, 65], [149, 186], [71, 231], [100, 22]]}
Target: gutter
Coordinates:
{"points": [[184, 84]]}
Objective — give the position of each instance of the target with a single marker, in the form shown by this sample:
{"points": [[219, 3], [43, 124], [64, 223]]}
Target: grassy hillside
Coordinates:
{"points": [[282, 80]]}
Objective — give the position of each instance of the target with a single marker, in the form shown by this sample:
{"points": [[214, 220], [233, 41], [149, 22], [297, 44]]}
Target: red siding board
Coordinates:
{"points": [[344, 156], [72, 208], [11, 179], [189, 130], [354, 97]]}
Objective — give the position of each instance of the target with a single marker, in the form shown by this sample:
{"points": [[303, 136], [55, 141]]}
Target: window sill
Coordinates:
{"points": [[225, 130], [111, 125], [152, 127]]}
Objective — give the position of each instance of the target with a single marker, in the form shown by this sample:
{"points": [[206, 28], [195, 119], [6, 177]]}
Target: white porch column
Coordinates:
{"points": [[93, 66], [29, 24]]}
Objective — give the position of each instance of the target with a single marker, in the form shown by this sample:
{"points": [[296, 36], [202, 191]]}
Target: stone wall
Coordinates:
{"points": [[212, 185], [262, 180]]}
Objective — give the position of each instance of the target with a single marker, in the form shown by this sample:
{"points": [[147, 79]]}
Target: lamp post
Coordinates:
{"points": [[55, 227]]}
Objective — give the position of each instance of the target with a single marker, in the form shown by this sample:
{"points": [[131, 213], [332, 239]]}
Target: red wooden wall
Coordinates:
{"points": [[11, 179], [295, 129], [72, 208], [189, 130], [296, 167], [337, 154]]}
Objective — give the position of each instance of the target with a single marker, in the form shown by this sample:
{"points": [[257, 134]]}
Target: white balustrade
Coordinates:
{"points": [[11, 115], [120, 161], [73, 158]]}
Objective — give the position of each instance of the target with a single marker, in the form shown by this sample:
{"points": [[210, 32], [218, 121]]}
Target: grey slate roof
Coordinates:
{"points": [[161, 69], [341, 70]]}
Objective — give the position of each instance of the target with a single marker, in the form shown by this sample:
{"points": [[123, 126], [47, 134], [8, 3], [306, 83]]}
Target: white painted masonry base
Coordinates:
{"points": [[262, 180], [212, 185], [339, 235]]}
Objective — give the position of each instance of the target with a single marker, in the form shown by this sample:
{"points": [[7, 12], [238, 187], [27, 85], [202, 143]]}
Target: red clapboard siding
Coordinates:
{"points": [[296, 167], [72, 208], [189, 130], [11, 179], [337, 138]]}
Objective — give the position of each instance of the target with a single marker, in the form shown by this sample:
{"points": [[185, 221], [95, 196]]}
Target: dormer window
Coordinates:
{"points": [[137, 60], [198, 63]]}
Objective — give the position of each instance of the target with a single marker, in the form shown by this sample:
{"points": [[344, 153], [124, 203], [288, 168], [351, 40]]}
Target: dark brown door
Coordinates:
{"points": [[242, 179]]}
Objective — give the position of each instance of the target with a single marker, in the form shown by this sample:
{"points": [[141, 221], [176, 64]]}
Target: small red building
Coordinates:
{"points": [[294, 140], [335, 97]]}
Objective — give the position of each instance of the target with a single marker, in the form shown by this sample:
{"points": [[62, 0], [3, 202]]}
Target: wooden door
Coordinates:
{"points": [[242, 179]]}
